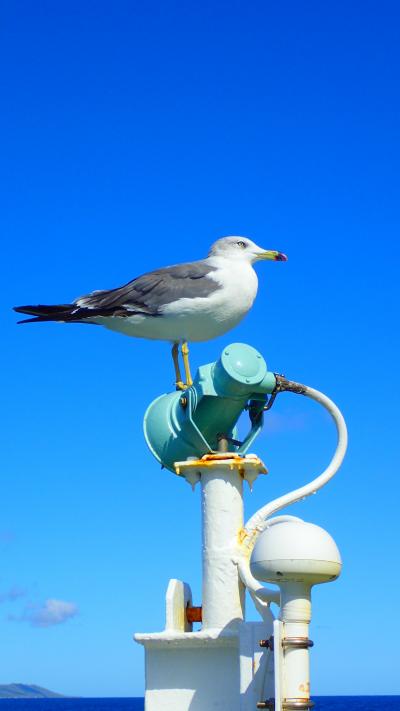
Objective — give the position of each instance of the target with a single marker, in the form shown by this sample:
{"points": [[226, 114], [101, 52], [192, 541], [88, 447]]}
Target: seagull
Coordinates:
{"points": [[183, 303]]}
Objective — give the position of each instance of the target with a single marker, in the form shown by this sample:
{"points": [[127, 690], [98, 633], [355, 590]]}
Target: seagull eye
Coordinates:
{"points": [[241, 244]]}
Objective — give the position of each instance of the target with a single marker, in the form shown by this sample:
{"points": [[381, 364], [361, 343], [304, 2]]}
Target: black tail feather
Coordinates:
{"points": [[38, 318], [41, 310], [67, 313], [59, 312]]}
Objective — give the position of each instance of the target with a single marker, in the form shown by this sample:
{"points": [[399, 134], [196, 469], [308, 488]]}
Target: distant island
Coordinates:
{"points": [[26, 691]]}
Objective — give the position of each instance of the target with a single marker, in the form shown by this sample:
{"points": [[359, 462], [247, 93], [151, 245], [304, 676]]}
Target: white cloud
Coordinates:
{"points": [[51, 612]]}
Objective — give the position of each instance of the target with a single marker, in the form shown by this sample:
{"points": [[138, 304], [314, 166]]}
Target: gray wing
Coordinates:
{"points": [[150, 292]]}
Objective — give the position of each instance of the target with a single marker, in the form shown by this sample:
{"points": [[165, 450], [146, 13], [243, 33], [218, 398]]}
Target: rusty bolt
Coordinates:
{"points": [[194, 614], [268, 643]]}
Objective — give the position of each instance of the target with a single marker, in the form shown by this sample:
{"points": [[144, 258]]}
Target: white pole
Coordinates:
{"points": [[295, 616], [222, 515]]}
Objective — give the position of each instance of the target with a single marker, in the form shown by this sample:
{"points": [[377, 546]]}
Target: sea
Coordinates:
{"points": [[322, 703]]}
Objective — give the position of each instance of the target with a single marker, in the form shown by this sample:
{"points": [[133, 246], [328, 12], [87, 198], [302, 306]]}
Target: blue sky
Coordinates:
{"points": [[134, 135]]}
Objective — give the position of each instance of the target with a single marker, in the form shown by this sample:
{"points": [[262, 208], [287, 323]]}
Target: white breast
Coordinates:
{"points": [[204, 318]]}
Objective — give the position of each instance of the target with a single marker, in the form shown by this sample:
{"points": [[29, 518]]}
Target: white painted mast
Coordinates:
{"points": [[222, 666], [222, 519]]}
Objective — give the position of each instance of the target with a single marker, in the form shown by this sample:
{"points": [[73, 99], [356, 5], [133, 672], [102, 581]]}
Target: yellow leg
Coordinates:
{"points": [[185, 355], [179, 384]]}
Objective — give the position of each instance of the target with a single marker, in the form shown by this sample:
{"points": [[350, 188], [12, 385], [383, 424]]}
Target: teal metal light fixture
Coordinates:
{"points": [[180, 425]]}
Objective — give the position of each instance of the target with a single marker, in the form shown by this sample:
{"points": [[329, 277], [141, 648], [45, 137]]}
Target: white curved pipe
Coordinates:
{"points": [[254, 586], [261, 595], [257, 522], [281, 519]]}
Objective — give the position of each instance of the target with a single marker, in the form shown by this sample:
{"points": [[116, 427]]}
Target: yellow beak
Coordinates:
{"points": [[271, 254]]}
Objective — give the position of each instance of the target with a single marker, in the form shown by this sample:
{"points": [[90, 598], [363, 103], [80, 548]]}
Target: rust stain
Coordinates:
{"points": [[194, 614], [305, 687], [242, 533], [236, 461], [247, 537]]}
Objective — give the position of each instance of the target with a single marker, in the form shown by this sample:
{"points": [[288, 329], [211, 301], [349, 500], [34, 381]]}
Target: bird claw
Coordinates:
{"points": [[179, 384]]}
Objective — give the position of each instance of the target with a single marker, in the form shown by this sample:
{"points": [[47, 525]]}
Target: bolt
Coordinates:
{"points": [[268, 643]]}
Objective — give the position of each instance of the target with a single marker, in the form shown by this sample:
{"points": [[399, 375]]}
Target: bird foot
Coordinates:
{"points": [[179, 384]]}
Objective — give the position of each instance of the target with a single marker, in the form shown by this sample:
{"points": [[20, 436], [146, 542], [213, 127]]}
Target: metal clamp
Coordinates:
{"points": [[287, 704], [284, 385], [292, 704], [298, 642]]}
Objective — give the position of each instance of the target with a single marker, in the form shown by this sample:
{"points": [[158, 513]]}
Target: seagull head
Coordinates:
{"points": [[242, 248]]}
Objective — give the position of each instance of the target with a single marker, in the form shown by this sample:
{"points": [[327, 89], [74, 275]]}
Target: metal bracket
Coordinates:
{"points": [[298, 642], [287, 704], [188, 404]]}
